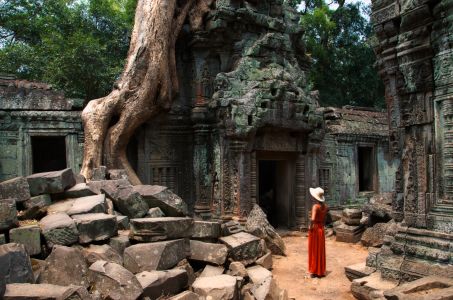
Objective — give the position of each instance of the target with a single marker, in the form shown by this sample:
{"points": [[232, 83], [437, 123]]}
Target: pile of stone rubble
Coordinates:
{"points": [[367, 224], [63, 238]]}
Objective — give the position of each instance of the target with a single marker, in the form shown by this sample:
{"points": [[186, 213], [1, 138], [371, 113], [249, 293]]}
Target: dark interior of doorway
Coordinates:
{"points": [[268, 190], [48, 153], [366, 169]]}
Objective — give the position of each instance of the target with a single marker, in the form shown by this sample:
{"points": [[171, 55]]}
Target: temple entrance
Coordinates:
{"points": [[48, 153], [275, 188], [366, 169]]}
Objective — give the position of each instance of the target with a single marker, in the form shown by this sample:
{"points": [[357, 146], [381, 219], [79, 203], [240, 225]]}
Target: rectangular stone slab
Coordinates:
{"points": [[77, 191], [155, 256], [160, 196], [158, 283], [29, 236], [59, 229], [16, 188], [208, 253], [243, 247], [45, 292], [88, 205], [95, 227], [50, 182], [159, 229], [8, 214], [206, 230]]}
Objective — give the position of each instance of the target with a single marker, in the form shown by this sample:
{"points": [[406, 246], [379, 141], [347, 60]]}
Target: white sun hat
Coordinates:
{"points": [[318, 194]]}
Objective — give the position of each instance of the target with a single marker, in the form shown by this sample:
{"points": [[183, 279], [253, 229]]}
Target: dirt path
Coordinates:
{"points": [[291, 272]]}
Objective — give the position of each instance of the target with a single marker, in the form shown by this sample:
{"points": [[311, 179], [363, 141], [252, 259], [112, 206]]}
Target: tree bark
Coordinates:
{"points": [[147, 85]]}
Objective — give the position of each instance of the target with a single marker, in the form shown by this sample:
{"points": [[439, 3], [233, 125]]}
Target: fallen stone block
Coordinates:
{"points": [[374, 236], [106, 253], [38, 267], [35, 211], [243, 247], [79, 178], [258, 225], [336, 215], [117, 174], [111, 184], [187, 295], [123, 222], [8, 214], [95, 227], [206, 231], [45, 292], [351, 222], [16, 188], [88, 205], [97, 174], [352, 213], [126, 200], [348, 234], [155, 256], [15, 266], [233, 227], [59, 229], [155, 212], [50, 182], [164, 198], [265, 261], [77, 191], [426, 288], [237, 269], [358, 271], [45, 198], [257, 274], [208, 253], [362, 288], [159, 229], [65, 266], [2, 239], [222, 287], [114, 282], [184, 265], [211, 271], [264, 249], [61, 206], [29, 236], [119, 243], [266, 290], [161, 283]]}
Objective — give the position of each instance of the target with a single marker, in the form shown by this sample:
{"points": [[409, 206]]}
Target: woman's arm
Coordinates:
{"points": [[313, 215]]}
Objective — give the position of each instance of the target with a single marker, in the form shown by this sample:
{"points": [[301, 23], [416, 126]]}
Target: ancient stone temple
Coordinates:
{"points": [[244, 124], [355, 160], [414, 58], [40, 129]]}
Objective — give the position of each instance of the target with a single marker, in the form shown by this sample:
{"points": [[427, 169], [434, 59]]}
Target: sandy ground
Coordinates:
{"points": [[291, 272]]}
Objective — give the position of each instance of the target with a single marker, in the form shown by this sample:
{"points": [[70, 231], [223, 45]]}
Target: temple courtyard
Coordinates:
{"points": [[291, 271]]}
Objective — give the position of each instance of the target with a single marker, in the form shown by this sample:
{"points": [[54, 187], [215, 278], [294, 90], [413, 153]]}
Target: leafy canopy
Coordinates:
{"points": [[343, 59], [78, 46]]}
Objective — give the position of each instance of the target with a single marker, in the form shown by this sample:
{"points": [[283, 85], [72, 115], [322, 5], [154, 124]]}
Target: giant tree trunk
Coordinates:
{"points": [[147, 85]]}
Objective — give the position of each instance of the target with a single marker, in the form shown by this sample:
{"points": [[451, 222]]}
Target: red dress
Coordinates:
{"points": [[317, 244]]}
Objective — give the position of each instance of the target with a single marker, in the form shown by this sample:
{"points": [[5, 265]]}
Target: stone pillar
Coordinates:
{"points": [[300, 191]]}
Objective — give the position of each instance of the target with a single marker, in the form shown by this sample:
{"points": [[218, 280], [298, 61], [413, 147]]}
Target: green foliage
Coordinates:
{"points": [[343, 60], [78, 46]]}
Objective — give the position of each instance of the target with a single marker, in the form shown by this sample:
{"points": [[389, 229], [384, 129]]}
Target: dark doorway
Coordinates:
{"points": [[267, 189], [366, 169], [48, 153]]}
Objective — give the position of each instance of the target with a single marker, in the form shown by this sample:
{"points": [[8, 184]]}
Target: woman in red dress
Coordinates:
{"points": [[316, 235]]}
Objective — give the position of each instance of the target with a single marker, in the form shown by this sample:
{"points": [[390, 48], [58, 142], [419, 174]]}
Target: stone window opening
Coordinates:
{"points": [[366, 168], [324, 181], [48, 153]]}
